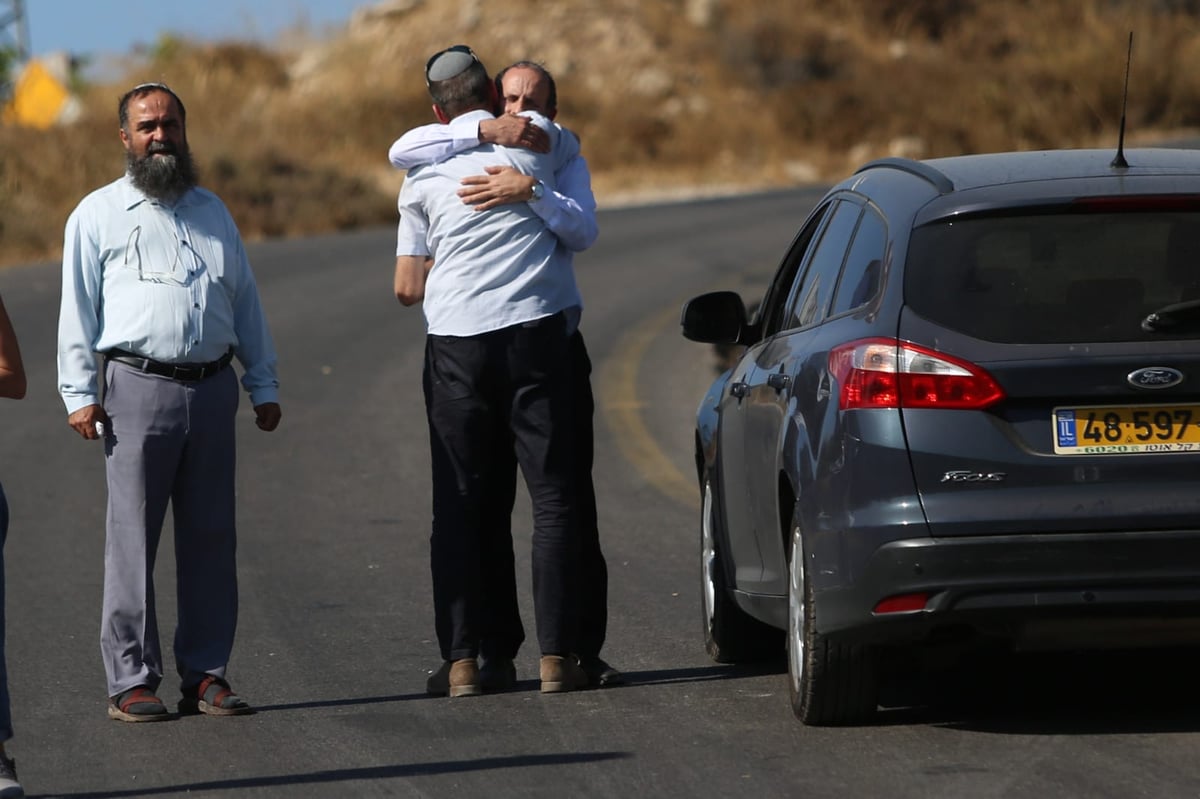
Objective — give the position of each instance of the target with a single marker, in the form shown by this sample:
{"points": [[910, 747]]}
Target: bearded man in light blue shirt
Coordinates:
{"points": [[156, 279]]}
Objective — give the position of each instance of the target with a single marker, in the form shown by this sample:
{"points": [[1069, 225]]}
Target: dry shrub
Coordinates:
{"points": [[275, 196]]}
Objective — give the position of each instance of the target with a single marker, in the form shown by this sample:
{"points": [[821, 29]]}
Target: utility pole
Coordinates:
{"points": [[14, 29], [14, 43]]}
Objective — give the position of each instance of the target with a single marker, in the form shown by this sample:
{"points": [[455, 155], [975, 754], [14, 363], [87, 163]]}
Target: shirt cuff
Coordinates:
{"points": [[76, 402], [464, 132], [265, 394]]}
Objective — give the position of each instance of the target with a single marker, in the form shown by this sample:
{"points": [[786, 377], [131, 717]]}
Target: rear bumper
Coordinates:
{"points": [[1039, 591]]}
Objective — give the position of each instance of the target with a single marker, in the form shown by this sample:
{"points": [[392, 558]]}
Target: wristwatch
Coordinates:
{"points": [[537, 192]]}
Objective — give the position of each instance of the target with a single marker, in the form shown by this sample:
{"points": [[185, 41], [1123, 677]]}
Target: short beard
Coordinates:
{"points": [[164, 177]]}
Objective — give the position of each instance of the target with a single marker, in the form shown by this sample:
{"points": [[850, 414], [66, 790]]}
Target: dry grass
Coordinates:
{"points": [[703, 94]]}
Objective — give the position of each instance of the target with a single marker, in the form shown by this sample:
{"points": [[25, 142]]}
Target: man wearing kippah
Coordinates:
{"points": [[497, 378], [569, 213]]}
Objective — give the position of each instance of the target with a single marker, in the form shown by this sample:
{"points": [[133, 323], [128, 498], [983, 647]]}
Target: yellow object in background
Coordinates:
{"points": [[39, 99]]}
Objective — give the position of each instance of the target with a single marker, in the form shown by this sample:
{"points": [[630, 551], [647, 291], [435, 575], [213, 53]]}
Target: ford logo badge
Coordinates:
{"points": [[1155, 377]]}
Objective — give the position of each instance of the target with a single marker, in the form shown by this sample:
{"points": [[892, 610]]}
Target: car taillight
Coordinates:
{"points": [[887, 373]]}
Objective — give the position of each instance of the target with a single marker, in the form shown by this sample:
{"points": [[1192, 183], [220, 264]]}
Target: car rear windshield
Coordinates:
{"points": [[1071, 276]]}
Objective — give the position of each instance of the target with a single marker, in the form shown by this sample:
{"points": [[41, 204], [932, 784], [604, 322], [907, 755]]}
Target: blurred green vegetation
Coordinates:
{"points": [[8, 58]]}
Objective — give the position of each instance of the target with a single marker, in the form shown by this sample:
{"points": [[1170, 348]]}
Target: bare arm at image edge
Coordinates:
{"points": [[12, 370]]}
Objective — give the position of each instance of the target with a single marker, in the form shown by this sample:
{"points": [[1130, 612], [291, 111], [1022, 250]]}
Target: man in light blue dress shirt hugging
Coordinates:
{"points": [[568, 210], [497, 302]]}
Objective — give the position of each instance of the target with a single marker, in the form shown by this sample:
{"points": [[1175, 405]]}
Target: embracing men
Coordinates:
{"points": [[506, 372]]}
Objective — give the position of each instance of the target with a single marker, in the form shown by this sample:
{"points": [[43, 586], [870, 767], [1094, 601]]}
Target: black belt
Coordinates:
{"points": [[175, 371]]}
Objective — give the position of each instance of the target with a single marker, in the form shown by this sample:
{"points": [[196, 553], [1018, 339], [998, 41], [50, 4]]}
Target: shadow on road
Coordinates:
{"points": [[704, 674], [354, 774], [1073, 693], [348, 702], [1140, 691], [632, 679]]}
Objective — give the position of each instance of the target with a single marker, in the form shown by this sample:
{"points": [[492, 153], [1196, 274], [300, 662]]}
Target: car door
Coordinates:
{"points": [[736, 495], [777, 388]]}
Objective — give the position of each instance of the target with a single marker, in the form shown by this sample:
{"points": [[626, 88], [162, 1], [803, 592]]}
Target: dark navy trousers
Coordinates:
{"points": [[505, 633], [488, 396]]}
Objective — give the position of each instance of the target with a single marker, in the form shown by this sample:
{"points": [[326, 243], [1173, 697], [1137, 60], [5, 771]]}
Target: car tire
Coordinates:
{"points": [[730, 634], [829, 682]]}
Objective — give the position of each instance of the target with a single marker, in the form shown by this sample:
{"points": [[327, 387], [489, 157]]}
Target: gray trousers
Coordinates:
{"points": [[169, 441]]}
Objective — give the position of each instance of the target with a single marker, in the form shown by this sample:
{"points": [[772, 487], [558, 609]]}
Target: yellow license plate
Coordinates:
{"points": [[1123, 430]]}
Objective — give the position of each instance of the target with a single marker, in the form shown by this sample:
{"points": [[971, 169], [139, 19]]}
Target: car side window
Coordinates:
{"points": [[863, 271], [771, 312], [810, 298]]}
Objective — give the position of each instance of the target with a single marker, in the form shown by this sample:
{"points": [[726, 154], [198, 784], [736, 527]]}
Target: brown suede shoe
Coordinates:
{"points": [[561, 674], [455, 678]]}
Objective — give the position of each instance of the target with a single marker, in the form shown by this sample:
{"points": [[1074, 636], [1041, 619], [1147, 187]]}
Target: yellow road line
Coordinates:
{"points": [[622, 410]]}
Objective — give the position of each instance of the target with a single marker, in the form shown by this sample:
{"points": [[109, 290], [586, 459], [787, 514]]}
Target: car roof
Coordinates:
{"points": [[974, 171], [966, 172], [983, 183]]}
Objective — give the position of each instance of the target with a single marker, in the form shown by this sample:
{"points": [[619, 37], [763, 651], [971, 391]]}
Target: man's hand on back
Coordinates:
{"points": [[500, 186]]}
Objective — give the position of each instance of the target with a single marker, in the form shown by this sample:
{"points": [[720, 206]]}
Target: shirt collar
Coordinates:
{"points": [[132, 196]]}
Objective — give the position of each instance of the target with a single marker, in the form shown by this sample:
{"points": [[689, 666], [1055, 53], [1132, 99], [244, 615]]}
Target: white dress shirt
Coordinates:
{"points": [[492, 269], [568, 208], [169, 283]]}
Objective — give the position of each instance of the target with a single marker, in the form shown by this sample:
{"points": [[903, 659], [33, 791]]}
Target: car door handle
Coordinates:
{"points": [[739, 389], [779, 381]]}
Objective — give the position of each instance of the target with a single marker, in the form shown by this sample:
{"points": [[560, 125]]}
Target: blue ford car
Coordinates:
{"points": [[968, 409]]}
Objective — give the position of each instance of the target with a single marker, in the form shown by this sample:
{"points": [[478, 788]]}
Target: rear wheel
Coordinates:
{"points": [[829, 682], [730, 635]]}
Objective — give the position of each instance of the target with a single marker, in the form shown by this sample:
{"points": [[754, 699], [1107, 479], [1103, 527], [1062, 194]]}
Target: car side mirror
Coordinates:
{"points": [[718, 317]]}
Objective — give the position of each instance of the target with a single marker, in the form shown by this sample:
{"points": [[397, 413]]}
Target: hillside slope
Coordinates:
{"points": [[668, 96]]}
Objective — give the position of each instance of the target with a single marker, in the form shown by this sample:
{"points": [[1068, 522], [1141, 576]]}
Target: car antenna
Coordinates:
{"points": [[1119, 161]]}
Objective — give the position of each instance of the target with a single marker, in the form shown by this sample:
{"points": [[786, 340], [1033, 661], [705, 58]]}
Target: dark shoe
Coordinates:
{"points": [[455, 678], [9, 787], [213, 697], [497, 674], [561, 674], [137, 704], [599, 673]]}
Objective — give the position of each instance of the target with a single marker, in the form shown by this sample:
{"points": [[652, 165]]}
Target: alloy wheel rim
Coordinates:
{"points": [[796, 613]]}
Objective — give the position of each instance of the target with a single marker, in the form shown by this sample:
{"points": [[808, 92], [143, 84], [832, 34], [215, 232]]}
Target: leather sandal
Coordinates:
{"points": [[213, 697], [137, 704]]}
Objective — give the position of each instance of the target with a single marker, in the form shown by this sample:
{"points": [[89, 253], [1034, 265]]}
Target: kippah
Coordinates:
{"points": [[449, 64]]}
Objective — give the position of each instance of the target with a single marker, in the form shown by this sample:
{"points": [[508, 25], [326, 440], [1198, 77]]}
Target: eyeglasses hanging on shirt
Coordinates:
{"points": [[171, 261]]}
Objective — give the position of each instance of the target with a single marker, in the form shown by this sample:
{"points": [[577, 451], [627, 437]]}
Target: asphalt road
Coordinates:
{"points": [[335, 640]]}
